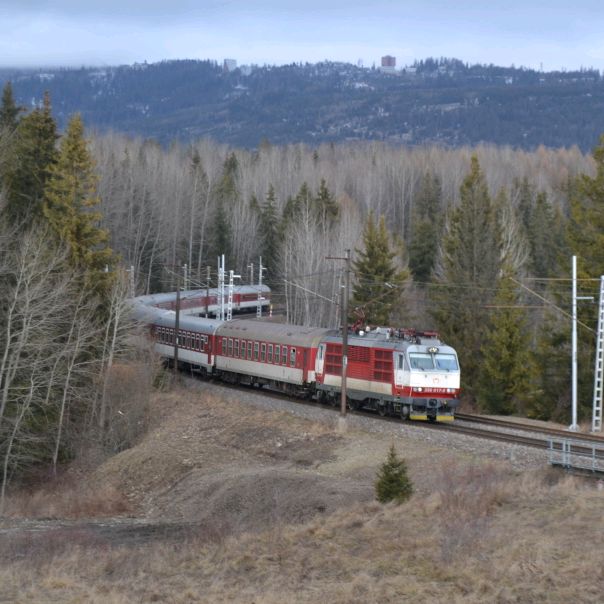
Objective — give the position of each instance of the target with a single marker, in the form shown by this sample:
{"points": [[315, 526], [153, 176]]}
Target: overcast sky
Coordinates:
{"points": [[554, 33]]}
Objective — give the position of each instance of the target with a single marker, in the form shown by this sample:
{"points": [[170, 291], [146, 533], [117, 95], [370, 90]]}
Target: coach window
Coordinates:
{"points": [[224, 345], [188, 340], [263, 352], [292, 357], [249, 351], [270, 353], [256, 348], [230, 347], [277, 353], [243, 344], [284, 355], [236, 347]]}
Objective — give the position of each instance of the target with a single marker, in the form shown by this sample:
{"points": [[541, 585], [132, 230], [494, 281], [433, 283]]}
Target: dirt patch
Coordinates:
{"points": [[212, 460], [254, 499]]}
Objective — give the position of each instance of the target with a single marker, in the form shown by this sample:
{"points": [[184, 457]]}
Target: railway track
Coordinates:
{"points": [[538, 439], [510, 425]]}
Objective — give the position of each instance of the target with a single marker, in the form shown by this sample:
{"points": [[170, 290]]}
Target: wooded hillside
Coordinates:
{"points": [[443, 101]]}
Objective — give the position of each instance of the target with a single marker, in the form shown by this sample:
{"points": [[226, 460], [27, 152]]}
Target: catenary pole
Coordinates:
{"points": [[574, 426], [344, 323], [176, 323]]}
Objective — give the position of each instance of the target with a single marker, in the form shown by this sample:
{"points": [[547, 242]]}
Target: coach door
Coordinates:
{"points": [[320, 360]]}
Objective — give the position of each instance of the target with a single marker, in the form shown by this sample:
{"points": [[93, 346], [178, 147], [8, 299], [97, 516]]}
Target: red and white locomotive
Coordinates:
{"points": [[394, 372]]}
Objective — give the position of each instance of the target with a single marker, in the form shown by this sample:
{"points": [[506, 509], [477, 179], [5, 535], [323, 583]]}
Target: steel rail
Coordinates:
{"points": [[475, 431]]}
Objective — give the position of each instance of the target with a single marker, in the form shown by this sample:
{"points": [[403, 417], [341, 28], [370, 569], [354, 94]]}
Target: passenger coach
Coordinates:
{"points": [[276, 354]]}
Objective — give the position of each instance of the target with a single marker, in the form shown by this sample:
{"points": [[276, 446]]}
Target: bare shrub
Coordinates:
{"points": [[127, 392], [67, 498], [468, 496]]}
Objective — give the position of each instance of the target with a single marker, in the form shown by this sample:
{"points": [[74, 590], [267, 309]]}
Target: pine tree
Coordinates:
{"points": [[392, 482], [423, 246], [28, 169], [69, 198], [378, 281], [270, 232], [225, 196], [327, 207], [506, 371], [525, 193], [551, 357], [546, 237], [9, 111], [586, 224], [467, 273]]}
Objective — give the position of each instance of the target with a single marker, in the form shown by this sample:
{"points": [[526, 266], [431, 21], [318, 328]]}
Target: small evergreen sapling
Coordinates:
{"points": [[392, 483]]}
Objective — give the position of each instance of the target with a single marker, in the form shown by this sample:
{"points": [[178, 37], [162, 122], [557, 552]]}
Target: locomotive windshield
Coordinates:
{"points": [[423, 361], [446, 361]]}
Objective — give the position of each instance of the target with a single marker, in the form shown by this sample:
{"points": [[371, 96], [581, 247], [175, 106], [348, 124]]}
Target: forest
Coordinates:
{"points": [[475, 242]]}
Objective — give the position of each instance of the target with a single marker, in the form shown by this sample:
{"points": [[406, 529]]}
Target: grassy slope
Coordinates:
{"points": [[473, 532]]}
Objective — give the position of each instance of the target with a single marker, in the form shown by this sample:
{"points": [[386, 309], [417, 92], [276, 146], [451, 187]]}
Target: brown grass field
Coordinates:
{"points": [[272, 508]]}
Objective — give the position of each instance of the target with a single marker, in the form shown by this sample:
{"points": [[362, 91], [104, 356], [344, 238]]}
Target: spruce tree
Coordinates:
{"points": [[225, 196], [506, 371], [467, 273], [9, 111], [34, 154], [586, 224], [546, 237], [327, 207], [378, 281], [69, 198], [423, 245], [270, 235], [392, 482]]}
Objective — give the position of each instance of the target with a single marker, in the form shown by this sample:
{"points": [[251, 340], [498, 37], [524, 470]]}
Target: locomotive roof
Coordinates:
{"points": [[277, 333], [382, 339]]}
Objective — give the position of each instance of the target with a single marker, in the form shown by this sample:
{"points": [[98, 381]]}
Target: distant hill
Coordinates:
{"points": [[436, 101]]}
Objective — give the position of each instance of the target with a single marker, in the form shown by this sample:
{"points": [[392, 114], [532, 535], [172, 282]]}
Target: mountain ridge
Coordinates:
{"points": [[434, 101]]}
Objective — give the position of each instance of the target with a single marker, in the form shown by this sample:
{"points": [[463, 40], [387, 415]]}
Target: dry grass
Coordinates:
{"points": [[67, 498], [474, 532], [542, 543]]}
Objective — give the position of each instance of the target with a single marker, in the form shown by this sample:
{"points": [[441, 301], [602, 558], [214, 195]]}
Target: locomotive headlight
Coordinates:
{"points": [[449, 390], [420, 389]]}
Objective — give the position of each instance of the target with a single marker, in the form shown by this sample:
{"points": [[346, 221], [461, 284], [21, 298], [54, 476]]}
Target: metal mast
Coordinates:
{"points": [[574, 426], [261, 269], [596, 423], [221, 284]]}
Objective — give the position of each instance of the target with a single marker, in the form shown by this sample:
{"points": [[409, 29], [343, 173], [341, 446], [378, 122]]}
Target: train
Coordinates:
{"points": [[397, 372]]}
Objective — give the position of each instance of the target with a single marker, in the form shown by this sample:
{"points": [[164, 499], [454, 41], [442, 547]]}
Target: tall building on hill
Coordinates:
{"points": [[388, 64]]}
